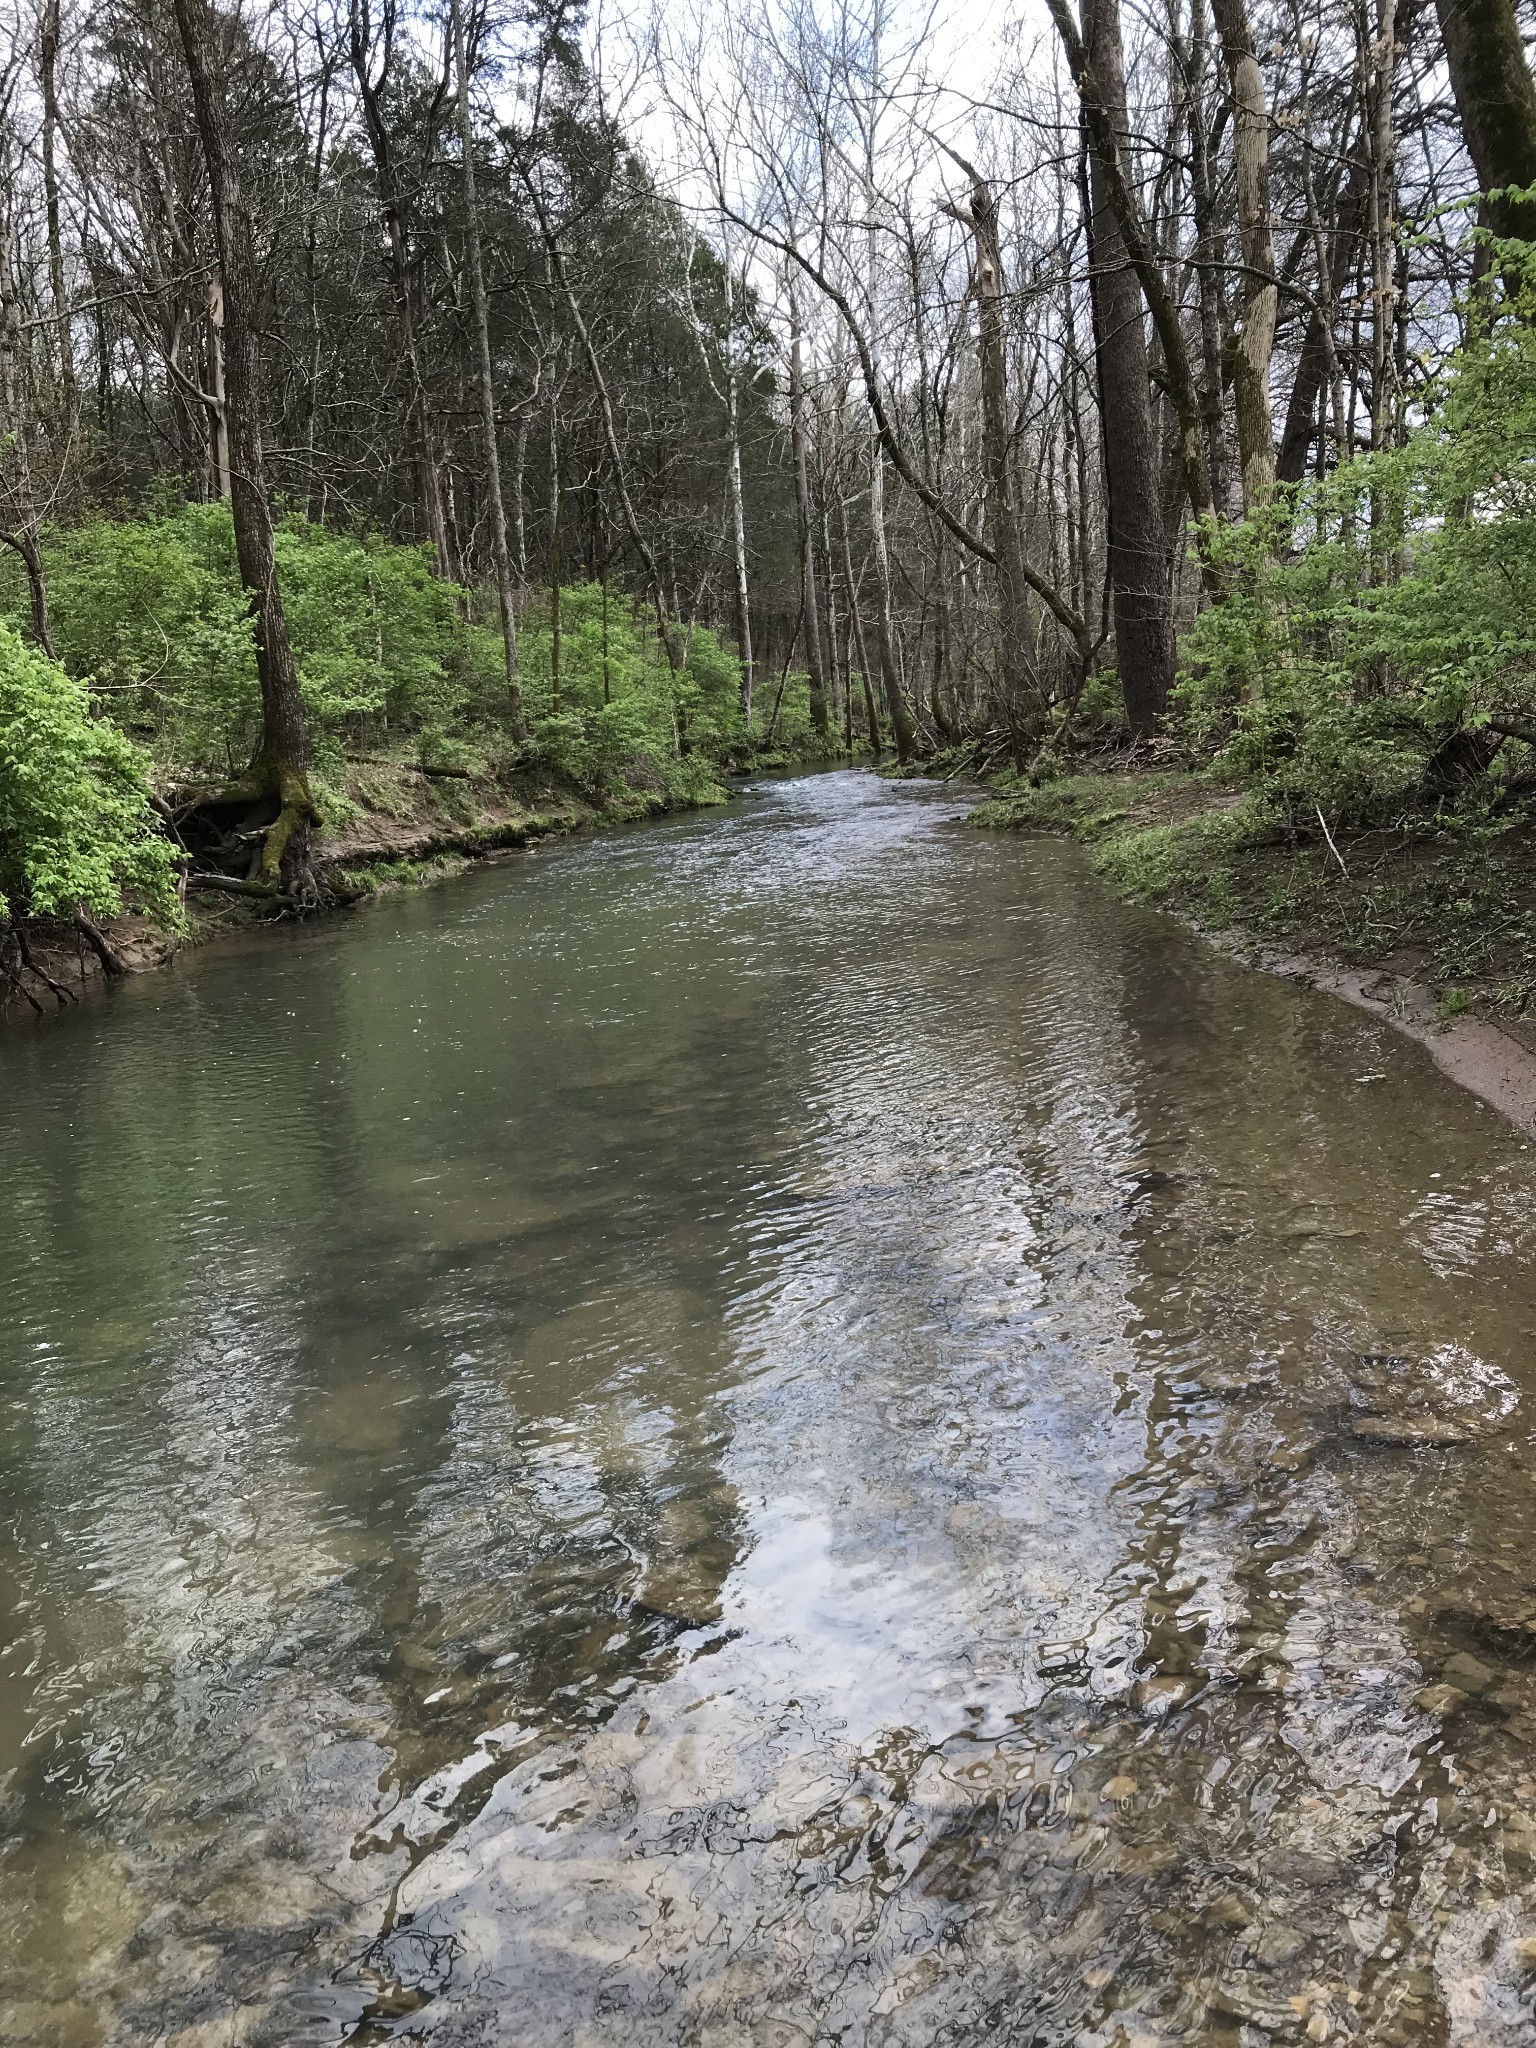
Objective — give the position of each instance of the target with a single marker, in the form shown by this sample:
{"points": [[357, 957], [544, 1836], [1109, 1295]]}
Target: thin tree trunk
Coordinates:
{"points": [[672, 646], [797, 436], [280, 767], [25, 545], [1208, 242], [519, 512], [500, 553], [856, 624], [739, 548], [555, 507], [218, 409], [48, 58], [393, 206], [1317, 364], [885, 634], [738, 512], [1260, 293]]}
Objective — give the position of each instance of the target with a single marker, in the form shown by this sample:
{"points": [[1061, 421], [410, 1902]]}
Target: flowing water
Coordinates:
{"points": [[785, 1427]]}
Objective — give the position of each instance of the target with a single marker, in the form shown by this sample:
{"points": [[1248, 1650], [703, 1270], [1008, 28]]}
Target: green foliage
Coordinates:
{"points": [[1371, 615], [1087, 806], [75, 819], [152, 612], [622, 724], [1181, 859]]}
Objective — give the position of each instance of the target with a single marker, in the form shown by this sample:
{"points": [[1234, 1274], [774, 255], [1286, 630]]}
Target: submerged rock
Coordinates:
{"points": [[1451, 1397], [1440, 1700], [1468, 1672], [1161, 1695], [1279, 1945], [1413, 1432]]}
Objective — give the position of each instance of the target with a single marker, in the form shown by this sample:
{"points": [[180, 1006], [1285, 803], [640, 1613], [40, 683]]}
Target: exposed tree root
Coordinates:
{"points": [[254, 838], [112, 962], [238, 885], [17, 961]]}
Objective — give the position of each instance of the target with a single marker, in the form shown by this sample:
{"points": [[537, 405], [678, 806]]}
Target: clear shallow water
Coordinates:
{"points": [[770, 1429]]}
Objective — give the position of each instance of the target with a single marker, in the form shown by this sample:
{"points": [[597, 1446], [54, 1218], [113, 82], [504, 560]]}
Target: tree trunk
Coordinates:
{"points": [[280, 767], [1208, 251], [856, 630], [1496, 100], [496, 508], [797, 435], [218, 409], [1021, 685], [1260, 294], [742, 592], [1317, 359], [1096, 59], [1383, 230], [739, 549], [556, 496], [1137, 562], [885, 634], [672, 646], [25, 545], [48, 57], [393, 205]]}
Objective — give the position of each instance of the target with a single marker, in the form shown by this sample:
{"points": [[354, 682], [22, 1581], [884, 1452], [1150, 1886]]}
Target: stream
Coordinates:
{"points": [[786, 1426]]}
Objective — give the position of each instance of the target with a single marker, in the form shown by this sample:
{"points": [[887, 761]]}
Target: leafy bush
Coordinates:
{"points": [[153, 612], [1371, 615], [76, 824], [623, 722]]}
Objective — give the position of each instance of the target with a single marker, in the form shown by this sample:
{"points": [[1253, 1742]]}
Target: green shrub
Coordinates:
{"points": [[1370, 615], [152, 611], [76, 824]]}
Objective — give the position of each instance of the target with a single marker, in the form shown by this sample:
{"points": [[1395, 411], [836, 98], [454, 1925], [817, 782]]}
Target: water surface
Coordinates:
{"points": [[784, 1427]]}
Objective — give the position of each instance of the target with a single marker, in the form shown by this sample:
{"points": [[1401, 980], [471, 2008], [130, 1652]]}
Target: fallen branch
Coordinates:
{"points": [[64, 995], [233, 885], [1344, 871]]}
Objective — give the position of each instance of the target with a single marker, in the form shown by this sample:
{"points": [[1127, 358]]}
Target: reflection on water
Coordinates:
{"points": [[783, 1428]]}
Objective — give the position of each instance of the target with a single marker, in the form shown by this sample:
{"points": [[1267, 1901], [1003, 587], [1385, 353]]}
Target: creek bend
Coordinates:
{"points": [[783, 1427]]}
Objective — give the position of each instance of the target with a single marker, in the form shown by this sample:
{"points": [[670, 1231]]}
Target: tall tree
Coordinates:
{"points": [[396, 206], [799, 454], [1496, 102], [48, 64], [1137, 559], [474, 263], [1255, 340], [1026, 706], [279, 769]]}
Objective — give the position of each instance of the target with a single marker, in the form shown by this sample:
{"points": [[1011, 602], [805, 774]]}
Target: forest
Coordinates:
{"points": [[503, 405]]}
